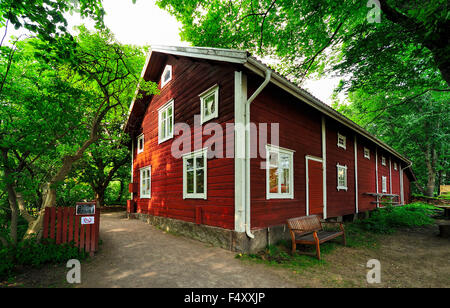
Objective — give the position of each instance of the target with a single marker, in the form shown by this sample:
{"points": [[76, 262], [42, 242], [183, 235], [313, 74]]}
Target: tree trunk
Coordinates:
{"points": [[49, 200], [12, 199], [99, 196], [119, 197], [431, 170]]}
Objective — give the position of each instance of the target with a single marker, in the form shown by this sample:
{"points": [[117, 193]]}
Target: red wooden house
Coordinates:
{"points": [[301, 158]]}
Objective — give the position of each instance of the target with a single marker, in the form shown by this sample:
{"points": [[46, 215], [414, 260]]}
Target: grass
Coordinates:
{"points": [[360, 234]]}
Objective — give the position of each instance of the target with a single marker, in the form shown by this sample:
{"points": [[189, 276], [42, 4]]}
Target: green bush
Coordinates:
{"points": [[386, 220], [32, 253], [6, 262]]}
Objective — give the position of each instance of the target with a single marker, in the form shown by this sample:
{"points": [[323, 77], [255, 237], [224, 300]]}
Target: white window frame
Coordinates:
{"points": [[395, 166], [367, 153], [164, 82], [193, 155], [279, 195], [338, 186], [145, 194], [214, 90], [383, 160], [165, 107], [344, 138], [384, 184], [139, 138]]}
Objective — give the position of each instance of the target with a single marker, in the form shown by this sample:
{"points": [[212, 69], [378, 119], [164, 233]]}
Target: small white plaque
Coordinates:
{"points": [[87, 220]]}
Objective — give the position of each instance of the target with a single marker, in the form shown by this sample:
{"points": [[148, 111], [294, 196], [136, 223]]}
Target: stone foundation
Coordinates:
{"points": [[224, 238]]}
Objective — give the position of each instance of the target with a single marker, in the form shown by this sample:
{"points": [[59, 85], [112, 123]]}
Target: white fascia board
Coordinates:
{"points": [[218, 54]]}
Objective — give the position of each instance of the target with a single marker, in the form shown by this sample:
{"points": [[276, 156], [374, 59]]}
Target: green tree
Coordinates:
{"points": [[106, 160], [306, 37], [418, 128], [77, 103]]}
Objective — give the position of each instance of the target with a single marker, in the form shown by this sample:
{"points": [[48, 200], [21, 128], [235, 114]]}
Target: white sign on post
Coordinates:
{"points": [[87, 220]]}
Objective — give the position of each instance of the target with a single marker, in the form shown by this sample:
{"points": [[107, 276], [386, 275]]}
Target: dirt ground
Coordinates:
{"points": [[134, 254]]}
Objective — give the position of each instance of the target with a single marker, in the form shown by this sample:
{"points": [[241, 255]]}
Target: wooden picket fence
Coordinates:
{"points": [[64, 226]]}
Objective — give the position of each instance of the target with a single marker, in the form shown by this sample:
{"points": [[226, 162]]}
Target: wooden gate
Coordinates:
{"points": [[64, 226]]}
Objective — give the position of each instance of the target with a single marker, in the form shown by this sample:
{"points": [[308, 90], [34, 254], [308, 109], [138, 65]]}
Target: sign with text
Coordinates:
{"points": [[85, 208], [87, 220]]}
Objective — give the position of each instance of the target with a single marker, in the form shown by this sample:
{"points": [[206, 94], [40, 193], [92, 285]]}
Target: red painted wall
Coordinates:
{"points": [[396, 178], [383, 170], [366, 176], [340, 202], [300, 130], [189, 80]]}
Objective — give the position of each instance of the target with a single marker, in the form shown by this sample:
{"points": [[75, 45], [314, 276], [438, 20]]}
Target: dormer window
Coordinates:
{"points": [[166, 75], [209, 104], [342, 141], [140, 143]]}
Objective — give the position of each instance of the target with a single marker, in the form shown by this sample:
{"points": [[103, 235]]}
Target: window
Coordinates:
{"points": [[395, 166], [341, 177], [209, 104], [342, 140], [166, 75], [140, 143], [194, 174], [366, 153], [383, 160], [280, 173], [165, 122], [146, 175], [383, 184]]}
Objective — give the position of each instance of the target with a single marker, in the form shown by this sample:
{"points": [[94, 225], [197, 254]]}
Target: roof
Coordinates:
{"points": [[241, 57]]}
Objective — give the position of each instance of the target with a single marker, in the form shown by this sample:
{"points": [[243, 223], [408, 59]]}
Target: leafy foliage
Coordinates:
{"points": [[387, 220], [35, 254], [306, 36]]}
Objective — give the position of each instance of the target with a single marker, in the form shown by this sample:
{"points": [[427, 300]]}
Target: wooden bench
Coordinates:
{"points": [[308, 230]]}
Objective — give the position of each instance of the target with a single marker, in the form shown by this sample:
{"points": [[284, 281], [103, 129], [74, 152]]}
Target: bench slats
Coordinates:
{"points": [[308, 230]]}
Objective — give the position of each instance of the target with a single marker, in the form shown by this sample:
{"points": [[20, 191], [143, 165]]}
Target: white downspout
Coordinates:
{"points": [[132, 165], [247, 153]]}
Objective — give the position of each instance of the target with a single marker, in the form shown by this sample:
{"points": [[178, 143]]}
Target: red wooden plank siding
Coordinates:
{"points": [[77, 230], [300, 130], [340, 202], [366, 176], [52, 222], [68, 229], [71, 222], [96, 237], [64, 232], [46, 222], [87, 242], [82, 236], [190, 78]]}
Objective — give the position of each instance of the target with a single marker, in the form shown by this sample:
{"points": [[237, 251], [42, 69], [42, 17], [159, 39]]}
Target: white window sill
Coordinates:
{"points": [[164, 140], [279, 197]]}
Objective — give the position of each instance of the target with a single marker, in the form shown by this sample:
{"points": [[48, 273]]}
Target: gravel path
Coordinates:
{"points": [[135, 254]]}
